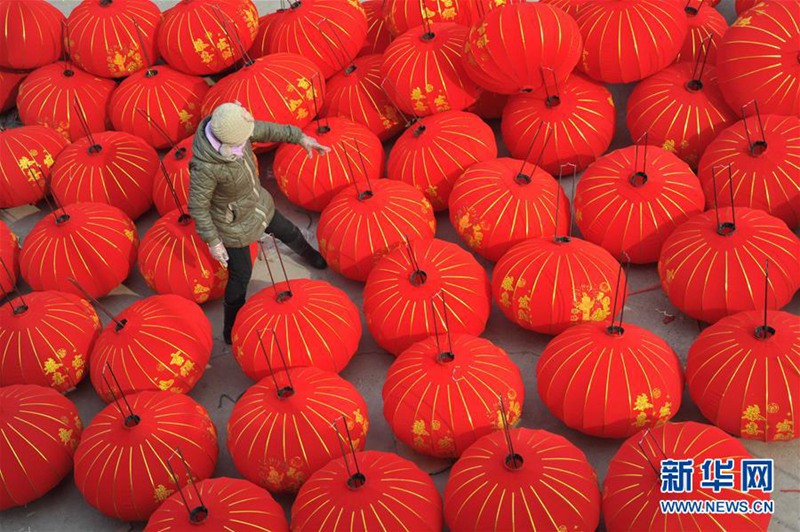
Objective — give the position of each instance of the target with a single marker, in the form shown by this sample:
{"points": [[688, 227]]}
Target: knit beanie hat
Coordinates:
{"points": [[232, 124]]}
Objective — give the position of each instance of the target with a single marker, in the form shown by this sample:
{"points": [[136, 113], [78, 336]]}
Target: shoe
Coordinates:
{"points": [[309, 255], [230, 313]]}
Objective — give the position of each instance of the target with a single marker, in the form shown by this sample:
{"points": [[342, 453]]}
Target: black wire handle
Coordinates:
{"points": [[120, 323], [198, 514], [174, 193], [342, 58], [449, 355], [757, 147], [280, 297], [148, 62], [355, 479], [281, 391], [560, 191], [513, 461], [551, 99], [696, 83], [640, 443], [84, 122], [522, 178], [223, 20], [161, 131], [130, 419], [24, 306]]}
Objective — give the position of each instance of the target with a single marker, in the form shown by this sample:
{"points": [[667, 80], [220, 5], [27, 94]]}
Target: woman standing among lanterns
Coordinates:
{"points": [[230, 207]]}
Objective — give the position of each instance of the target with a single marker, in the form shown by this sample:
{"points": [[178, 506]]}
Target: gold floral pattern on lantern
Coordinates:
{"points": [[592, 304], [124, 60], [470, 231], [784, 430], [649, 412], [162, 493]]}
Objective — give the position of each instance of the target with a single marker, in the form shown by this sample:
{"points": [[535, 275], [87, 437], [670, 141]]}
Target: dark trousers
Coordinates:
{"points": [[240, 262]]}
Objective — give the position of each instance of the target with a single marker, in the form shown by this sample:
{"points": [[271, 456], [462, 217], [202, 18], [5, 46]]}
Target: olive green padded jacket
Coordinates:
{"points": [[226, 198]]}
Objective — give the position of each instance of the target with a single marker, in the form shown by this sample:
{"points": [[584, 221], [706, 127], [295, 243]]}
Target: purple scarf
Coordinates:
{"points": [[216, 144]]}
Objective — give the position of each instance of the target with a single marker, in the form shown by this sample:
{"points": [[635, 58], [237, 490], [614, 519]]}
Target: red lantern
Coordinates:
{"points": [[160, 105], [581, 117], [678, 111], [48, 97], [160, 342], [706, 26], [356, 155], [154, 425], [378, 33], [356, 93], [468, 374], [280, 88], [361, 225], [436, 150], [399, 289], [46, 338], [111, 167], [401, 15], [173, 260], [743, 5], [642, 380], [629, 41], [40, 429], [113, 38], [26, 155], [316, 323], [10, 81], [501, 202], [630, 209], [176, 162], [572, 7], [97, 247], [260, 46], [544, 483], [216, 504], [330, 33], [548, 285], [279, 435], [743, 373], [31, 34], [634, 474], [507, 52], [202, 37], [758, 59], [764, 155], [9, 253], [706, 267], [387, 493], [424, 72]]}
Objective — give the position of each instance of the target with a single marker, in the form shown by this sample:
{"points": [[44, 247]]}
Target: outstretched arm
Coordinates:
{"points": [[270, 132]]}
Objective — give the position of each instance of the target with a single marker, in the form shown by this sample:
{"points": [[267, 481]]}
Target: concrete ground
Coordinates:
{"points": [[63, 509]]}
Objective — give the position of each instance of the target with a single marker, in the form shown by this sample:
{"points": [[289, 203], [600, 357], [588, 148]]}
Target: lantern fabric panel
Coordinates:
{"points": [[396, 495], [704, 22], [581, 118], [115, 38], [280, 88], [708, 271], [169, 98], [46, 339], [27, 155], [40, 430], [630, 210], [359, 226], [315, 323], [629, 41], [397, 295], [144, 442], [356, 94], [279, 441], [97, 244], [763, 169], [161, 342], [498, 203], [356, 156], [507, 51], [436, 150], [10, 80], [378, 34], [641, 387], [260, 46], [554, 487], [441, 394], [677, 113], [424, 72], [194, 36], [757, 59], [116, 169], [745, 381], [32, 34], [9, 252], [47, 97], [330, 33], [548, 285]]}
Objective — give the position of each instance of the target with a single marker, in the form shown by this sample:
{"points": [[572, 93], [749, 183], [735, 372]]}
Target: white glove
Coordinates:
{"points": [[311, 145], [219, 252]]}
